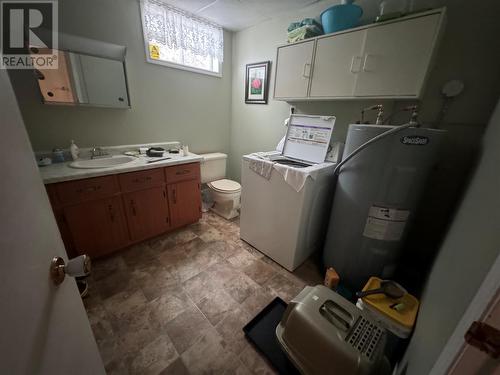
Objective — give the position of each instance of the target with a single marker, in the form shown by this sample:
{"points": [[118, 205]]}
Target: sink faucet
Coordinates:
{"points": [[97, 152]]}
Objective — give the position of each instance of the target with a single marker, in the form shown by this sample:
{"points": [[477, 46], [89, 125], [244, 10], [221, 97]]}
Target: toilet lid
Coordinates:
{"points": [[225, 185]]}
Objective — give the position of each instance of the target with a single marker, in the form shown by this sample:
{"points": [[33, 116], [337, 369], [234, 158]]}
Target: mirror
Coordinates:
{"points": [[83, 79]]}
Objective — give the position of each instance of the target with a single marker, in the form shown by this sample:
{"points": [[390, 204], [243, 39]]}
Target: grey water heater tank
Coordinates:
{"points": [[376, 196]]}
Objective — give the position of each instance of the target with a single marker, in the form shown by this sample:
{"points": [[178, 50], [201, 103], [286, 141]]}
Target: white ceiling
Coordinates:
{"points": [[239, 14]]}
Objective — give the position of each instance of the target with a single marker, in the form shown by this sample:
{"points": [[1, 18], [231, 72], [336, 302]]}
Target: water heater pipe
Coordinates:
{"points": [[371, 141]]}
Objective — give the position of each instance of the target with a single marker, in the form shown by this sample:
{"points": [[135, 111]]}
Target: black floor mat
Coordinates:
{"points": [[261, 331]]}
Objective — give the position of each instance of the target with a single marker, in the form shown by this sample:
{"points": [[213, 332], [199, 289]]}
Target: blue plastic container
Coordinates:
{"points": [[341, 17]]}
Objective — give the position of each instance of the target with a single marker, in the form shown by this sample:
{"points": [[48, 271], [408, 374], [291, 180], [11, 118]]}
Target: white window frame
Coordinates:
{"points": [[172, 64]]}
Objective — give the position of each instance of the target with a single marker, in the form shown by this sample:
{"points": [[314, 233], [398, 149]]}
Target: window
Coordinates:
{"points": [[178, 39]]}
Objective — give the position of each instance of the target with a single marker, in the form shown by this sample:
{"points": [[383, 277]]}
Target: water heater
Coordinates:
{"points": [[376, 197]]}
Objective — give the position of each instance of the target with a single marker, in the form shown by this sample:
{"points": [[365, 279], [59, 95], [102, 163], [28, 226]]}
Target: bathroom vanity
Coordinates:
{"points": [[113, 210]]}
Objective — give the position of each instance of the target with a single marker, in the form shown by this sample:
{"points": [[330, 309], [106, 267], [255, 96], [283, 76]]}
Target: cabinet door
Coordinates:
{"points": [[396, 57], [184, 199], [147, 212], [293, 70], [99, 81], [97, 227], [337, 61], [55, 84]]}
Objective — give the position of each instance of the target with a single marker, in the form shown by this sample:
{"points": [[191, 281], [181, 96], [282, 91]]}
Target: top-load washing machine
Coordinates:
{"points": [[286, 197]]}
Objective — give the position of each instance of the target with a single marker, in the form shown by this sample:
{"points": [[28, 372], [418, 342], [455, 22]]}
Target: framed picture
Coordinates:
{"points": [[257, 83]]}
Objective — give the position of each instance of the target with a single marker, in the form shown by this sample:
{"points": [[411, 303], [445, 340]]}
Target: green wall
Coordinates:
{"points": [[167, 104], [467, 254], [466, 53]]}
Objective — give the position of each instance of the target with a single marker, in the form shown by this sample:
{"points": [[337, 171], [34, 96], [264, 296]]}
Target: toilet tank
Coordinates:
{"points": [[213, 167]]}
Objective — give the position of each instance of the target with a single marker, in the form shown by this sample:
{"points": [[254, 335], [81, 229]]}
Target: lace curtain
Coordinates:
{"points": [[183, 36]]}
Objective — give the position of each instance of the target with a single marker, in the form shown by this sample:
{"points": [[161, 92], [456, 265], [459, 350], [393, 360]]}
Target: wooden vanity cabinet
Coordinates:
{"points": [[185, 202], [184, 194], [97, 227], [146, 203], [147, 212], [90, 215], [97, 216], [61, 220]]}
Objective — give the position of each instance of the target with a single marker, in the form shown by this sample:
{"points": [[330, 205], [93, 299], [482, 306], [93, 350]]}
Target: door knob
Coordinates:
{"points": [[76, 267]]}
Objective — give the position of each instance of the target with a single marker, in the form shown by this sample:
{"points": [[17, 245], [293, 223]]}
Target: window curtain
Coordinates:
{"points": [[178, 30]]}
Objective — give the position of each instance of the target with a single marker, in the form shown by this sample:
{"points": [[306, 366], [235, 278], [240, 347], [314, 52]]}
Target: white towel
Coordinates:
{"points": [[262, 166], [296, 177]]}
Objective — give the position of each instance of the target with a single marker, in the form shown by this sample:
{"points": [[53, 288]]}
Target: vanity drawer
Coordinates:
{"points": [[86, 190], [141, 180], [182, 172]]}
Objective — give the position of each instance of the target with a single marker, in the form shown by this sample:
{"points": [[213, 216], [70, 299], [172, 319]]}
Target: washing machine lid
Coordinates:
{"points": [[225, 186], [308, 137]]}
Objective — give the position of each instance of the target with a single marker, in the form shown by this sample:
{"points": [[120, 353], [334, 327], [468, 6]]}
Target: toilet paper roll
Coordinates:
{"points": [[79, 266]]}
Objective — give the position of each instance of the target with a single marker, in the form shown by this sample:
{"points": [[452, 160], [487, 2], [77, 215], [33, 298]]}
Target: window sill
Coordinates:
{"points": [[184, 67]]}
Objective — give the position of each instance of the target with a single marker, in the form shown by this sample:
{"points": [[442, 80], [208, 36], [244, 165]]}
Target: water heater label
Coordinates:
{"points": [[414, 140], [385, 224]]}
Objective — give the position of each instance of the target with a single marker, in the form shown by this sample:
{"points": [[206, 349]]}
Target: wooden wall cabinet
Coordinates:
{"points": [[389, 60], [293, 70], [97, 216]]}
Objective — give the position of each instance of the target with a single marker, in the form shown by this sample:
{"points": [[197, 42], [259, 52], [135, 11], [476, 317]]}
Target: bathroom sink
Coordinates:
{"points": [[101, 163]]}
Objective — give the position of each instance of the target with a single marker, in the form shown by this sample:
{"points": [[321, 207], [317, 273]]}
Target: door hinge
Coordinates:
{"points": [[167, 220], [485, 338]]}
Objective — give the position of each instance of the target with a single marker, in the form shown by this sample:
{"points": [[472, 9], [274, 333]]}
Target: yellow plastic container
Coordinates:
{"points": [[398, 321]]}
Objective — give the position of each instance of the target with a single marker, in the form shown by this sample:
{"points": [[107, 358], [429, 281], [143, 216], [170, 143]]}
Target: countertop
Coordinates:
{"points": [[60, 172]]}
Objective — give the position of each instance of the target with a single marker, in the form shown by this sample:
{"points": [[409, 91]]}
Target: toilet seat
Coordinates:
{"points": [[225, 186]]}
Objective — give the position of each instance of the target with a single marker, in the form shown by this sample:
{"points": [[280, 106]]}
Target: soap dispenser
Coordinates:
{"points": [[75, 151]]}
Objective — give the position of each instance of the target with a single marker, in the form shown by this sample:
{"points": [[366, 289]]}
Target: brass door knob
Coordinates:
{"points": [[76, 267]]}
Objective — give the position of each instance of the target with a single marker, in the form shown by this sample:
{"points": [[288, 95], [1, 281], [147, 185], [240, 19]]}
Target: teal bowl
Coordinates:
{"points": [[341, 17]]}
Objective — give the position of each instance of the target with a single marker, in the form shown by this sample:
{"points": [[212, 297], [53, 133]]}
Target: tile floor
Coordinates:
{"points": [[177, 304]]}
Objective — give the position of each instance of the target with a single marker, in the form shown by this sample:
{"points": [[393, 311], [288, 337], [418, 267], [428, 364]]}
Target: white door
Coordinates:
{"points": [[337, 61], [396, 57], [293, 70], [45, 329]]}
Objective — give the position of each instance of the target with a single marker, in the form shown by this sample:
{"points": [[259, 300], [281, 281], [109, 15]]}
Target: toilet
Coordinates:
{"points": [[225, 193]]}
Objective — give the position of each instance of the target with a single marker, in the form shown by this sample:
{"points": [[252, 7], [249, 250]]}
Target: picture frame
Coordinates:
{"points": [[257, 82]]}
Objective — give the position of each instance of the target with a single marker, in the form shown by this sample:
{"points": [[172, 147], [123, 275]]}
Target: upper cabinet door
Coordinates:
{"points": [[55, 84], [102, 82], [397, 57], [337, 61], [293, 70]]}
